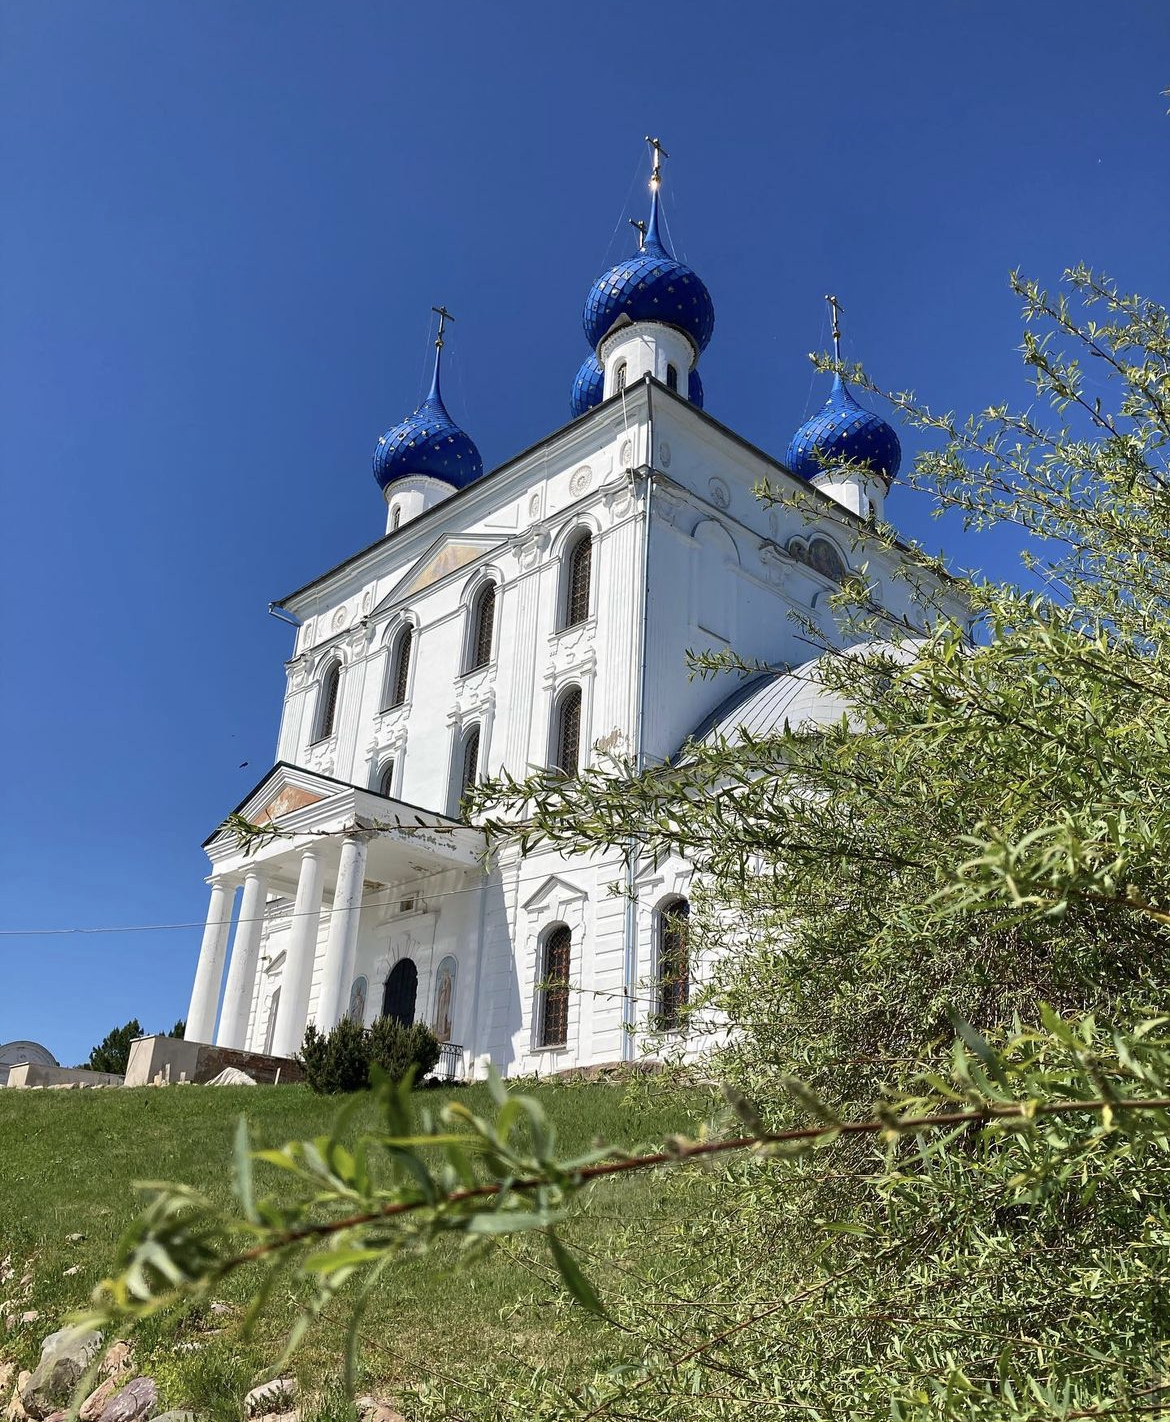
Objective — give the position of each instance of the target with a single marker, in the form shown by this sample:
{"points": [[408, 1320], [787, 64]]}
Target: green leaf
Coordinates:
{"points": [[574, 1280], [243, 1171]]}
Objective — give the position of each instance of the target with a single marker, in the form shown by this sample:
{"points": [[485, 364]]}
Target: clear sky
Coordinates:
{"points": [[224, 225]]}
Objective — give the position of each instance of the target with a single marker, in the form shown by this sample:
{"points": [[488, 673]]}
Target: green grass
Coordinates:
{"points": [[70, 1159]]}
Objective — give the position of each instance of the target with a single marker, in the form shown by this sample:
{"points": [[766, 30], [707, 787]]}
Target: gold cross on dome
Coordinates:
{"points": [[835, 310], [659, 153], [444, 316]]}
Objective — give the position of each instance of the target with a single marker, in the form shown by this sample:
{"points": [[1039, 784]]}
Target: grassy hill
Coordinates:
{"points": [[70, 1159]]}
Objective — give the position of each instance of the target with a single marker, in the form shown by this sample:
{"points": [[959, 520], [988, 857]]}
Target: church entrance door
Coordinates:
{"points": [[401, 991]]}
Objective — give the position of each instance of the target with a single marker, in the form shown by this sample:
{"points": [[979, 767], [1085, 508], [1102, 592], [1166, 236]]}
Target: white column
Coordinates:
{"points": [[293, 1008], [209, 973], [341, 945], [237, 997]]}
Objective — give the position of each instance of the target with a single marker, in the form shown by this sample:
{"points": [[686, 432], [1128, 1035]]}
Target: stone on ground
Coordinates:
{"points": [[65, 1355], [15, 1412], [232, 1076], [278, 1395], [91, 1408], [373, 1409], [132, 1403], [119, 1359]]}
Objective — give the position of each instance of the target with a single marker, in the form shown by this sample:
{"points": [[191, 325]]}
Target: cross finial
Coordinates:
{"points": [[659, 153], [640, 226], [444, 316], [835, 312]]}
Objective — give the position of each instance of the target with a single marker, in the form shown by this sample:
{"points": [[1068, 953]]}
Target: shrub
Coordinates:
{"points": [[338, 1060], [396, 1048]]}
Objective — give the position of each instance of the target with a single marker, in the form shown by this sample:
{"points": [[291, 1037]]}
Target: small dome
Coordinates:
{"points": [[428, 442], [650, 286], [695, 389], [843, 431], [588, 386]]}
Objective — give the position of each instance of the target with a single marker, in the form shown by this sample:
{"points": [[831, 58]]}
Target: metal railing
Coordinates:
{"points": [[450, 1064]]}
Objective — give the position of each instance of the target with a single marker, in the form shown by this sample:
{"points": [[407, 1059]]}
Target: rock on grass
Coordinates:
{"points": [[65, 1355]]}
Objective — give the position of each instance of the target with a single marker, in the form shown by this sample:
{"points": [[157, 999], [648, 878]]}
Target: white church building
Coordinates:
{"points": [[536, 615]]}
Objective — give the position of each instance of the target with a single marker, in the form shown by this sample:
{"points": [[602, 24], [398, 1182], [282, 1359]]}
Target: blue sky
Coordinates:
{"points": [[224, 225]]}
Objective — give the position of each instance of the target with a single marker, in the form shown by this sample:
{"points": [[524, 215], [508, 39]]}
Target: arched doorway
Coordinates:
{"points": [[398, 997]]}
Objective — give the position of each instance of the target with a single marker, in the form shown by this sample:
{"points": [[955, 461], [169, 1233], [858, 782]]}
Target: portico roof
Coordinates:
{"points": [[306, 807]]}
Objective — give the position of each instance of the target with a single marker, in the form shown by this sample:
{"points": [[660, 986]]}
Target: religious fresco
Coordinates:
{"points": [[292, 797], [447, 560], [445, 998], [356, 1011]]}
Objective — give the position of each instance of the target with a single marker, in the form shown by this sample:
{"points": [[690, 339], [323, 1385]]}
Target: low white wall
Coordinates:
{"points": [[33, 1074]]}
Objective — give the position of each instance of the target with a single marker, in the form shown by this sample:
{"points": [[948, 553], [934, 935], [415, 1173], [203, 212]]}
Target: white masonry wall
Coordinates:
{"points": [[721, 574]]}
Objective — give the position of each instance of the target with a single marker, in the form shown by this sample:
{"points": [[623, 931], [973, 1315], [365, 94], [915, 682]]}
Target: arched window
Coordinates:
{"points": [[620, 376], [577, 575], [401, 992], [327, 702], [483, 625], [672, 377], [385, 784], [567, 747], [554, 987], [395, 517], [470, 768], [398, 682], [673, 963]]}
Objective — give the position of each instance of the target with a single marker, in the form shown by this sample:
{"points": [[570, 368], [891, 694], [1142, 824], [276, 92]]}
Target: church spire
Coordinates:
{"points": [[651, 238], [835, 317], [444, 316]]}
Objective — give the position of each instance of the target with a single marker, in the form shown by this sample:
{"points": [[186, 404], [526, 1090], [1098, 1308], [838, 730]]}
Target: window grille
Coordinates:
{"points": [[554, 1017], [673, 963], [485, 622], [401, 679], [580, 568], [569, 731], [620, 380], [470, 762], [328, 713]]}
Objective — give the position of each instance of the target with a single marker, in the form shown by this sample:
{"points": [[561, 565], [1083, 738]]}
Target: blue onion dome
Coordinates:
{"points": [[695, 389], [588, 386], [652, 285], [428, 442], [843, 431]]}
